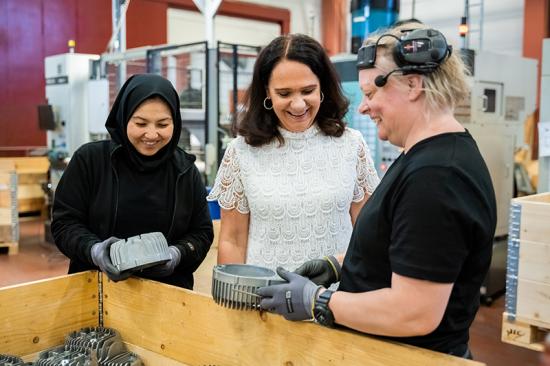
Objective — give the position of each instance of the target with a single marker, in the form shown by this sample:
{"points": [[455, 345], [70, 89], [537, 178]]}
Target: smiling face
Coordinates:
{"points": [[385, 105], [295, 92], [151, 126]]}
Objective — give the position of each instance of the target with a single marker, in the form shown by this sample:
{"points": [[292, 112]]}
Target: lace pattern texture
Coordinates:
{"points": [[298, 194]]}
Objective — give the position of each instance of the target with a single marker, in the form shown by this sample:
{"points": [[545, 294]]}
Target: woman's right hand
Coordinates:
{"points": [[101, 256]]}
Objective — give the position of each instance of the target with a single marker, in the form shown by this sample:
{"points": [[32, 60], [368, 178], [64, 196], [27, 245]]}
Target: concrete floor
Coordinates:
{"points": [[39, 260]]}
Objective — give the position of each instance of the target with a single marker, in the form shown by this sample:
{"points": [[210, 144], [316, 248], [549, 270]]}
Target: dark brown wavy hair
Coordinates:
{"points": [[257, 125]]}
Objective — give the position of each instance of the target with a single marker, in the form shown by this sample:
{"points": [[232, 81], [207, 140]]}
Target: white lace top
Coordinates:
{"points": [[298, 195]]}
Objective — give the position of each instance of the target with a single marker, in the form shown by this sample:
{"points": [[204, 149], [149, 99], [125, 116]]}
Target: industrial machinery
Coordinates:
{"points": [[79, 107], [503, 95], [75, 113], [235, 69]]}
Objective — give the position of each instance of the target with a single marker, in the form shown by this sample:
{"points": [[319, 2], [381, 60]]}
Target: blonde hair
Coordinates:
{"points": [[446, 87]]}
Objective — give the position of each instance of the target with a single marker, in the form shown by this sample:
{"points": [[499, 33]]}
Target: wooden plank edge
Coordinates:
{"points": [[91, 272], [13, 247], [523, 333]]}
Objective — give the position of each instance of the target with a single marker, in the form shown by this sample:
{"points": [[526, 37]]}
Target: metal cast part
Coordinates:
{"points": [[7, 360], [234, 285], [140, 251]]}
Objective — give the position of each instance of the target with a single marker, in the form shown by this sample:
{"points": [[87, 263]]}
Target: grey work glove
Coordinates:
{"points": [[165, 269], [293, 300], [101, 256], [325, 271]]}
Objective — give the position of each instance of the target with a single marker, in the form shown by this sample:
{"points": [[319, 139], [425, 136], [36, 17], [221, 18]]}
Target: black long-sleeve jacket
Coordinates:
{"points": [[86, 202]]}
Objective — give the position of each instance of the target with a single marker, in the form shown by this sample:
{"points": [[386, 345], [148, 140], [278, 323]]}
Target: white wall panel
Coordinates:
{"points": [[502, 25], [188, 26], [305, 15]]}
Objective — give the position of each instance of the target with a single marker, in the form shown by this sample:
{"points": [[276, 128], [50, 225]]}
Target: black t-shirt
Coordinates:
{"points": [[433, 218]]}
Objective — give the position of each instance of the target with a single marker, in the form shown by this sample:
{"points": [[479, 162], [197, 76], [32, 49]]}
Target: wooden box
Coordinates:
{"points": [[31, 173], [169, 326], [527, 317], [9, 222]]}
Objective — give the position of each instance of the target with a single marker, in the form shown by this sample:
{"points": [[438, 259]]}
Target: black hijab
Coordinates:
{"points": [[135, 91]]}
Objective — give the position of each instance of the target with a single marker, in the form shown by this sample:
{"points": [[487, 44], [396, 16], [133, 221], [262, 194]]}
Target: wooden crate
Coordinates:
{"points": [[9, 222], [527, 316], [170, 326], [31, 173]]}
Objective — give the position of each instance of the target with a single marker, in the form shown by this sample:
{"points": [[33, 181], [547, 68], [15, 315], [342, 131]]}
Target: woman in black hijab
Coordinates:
{"points": [[137, 182]]}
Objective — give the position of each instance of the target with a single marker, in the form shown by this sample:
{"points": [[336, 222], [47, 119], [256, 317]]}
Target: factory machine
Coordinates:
{"points": [[75, 105], [503, 95]]}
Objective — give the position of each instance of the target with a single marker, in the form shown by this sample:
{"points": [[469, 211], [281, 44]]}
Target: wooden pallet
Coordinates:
{"points": [[524, 332], [13, 247], [31, 173], [9, 228]]}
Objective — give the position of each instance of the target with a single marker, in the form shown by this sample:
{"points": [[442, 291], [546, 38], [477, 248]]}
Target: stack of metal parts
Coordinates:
{"points": [[105, 345], [64, 356], [93, 346], [234, 285], [141, 251], [7, 360]]}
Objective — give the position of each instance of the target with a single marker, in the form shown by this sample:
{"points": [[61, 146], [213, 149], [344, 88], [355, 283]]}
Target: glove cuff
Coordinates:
{"points": [[177, 254], [315, 296], [335, 265], [93, 255]]}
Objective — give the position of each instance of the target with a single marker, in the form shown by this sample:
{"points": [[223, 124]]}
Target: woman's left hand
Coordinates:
{"points": [[165, 269]]}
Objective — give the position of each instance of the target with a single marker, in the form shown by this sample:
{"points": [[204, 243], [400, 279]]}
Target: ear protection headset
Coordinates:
{"points": [[419, 51]]}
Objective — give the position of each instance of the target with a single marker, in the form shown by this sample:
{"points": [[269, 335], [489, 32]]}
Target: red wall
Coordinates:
{"points": [[536, 27], [33, 29], [146, 23], [29, 31]]}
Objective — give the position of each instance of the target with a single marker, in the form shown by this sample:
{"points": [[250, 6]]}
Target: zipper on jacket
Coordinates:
{"points": [[176, 201], [117, 185]]}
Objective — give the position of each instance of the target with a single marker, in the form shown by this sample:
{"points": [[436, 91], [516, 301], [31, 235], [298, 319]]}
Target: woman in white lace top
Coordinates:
{"points": [[291, 184]]}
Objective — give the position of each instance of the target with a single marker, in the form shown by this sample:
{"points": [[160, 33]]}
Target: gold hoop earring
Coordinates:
{"points": [[265, 104], [322, 97]]}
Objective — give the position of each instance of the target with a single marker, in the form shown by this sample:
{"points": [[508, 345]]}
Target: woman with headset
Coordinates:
{"points": [[422, 244]]}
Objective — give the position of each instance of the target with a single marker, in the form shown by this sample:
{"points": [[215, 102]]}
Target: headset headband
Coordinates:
{"points": [[419, 51]]}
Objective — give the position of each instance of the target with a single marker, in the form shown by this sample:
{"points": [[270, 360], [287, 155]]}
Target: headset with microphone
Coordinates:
{"points": [[420, 51]]}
